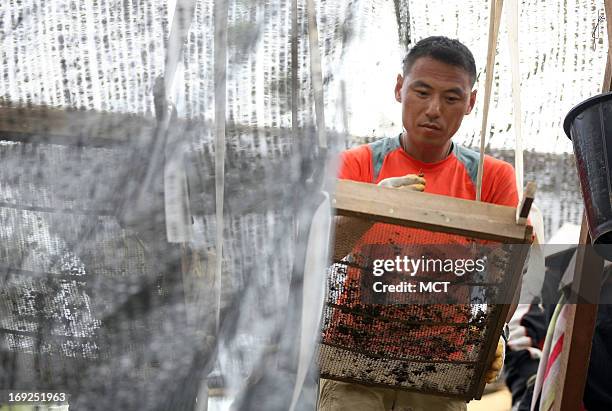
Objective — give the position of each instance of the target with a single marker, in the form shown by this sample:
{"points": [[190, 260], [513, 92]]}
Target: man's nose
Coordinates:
{"points": [[433, 109]]}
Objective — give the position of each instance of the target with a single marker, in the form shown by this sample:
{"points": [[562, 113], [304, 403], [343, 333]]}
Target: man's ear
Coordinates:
{"points": [[398, 88], [472, 102]]}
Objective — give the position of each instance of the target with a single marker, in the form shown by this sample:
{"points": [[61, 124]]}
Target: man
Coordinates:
{"points": [[435, 91]]}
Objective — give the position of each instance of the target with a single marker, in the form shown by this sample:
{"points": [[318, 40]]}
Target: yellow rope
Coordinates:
{"points": [[495, 17]]}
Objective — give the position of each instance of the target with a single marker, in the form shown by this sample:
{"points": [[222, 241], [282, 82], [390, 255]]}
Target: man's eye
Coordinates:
{"points": [[452, 99], [421, 93]]}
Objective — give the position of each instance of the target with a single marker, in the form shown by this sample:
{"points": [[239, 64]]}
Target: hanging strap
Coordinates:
{"points": [[494, 20], [176, 197], [316, 249], [525, 196], [316, 75], [512, 19], [182, 17], [220, 44]]}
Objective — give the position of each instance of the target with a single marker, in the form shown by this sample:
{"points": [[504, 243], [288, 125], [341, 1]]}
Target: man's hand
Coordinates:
{"points": [[409, 181], [350, 229], [498, 362]]}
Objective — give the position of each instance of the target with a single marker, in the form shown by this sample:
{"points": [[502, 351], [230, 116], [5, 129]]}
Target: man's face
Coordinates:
{"points": [[435, 96]]}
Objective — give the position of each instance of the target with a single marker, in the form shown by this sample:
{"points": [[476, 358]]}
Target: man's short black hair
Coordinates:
{"points": [[449, 51]]}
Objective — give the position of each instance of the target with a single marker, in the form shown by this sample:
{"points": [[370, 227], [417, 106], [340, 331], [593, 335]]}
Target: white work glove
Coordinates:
{"points": [[409, 182], [498, 362]]}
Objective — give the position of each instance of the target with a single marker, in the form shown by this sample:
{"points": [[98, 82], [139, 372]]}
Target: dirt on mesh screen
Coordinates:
{"points": [[428, 347]]}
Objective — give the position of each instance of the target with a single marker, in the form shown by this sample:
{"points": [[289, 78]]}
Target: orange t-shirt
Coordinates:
{"points": [[454, 176]]}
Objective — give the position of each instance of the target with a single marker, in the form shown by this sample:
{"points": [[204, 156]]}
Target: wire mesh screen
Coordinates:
{"points": [[409, 337], [160, 167], [83, 296]]}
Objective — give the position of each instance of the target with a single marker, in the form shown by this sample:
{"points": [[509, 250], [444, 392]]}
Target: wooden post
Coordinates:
{"points": [[585, 293]]}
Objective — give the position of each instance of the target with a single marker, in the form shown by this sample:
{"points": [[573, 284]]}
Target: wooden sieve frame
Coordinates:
{"points": [[450, 215]]}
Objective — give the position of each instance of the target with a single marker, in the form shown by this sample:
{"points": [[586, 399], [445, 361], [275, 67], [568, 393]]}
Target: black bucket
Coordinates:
{"points": [[589, 126]]}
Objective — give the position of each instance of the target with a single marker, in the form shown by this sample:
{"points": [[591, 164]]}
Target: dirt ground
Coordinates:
{"points": [[499, 400]]}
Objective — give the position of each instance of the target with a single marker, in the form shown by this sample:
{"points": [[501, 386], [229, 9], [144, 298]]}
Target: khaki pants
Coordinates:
{"points": [[341, 396]]}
